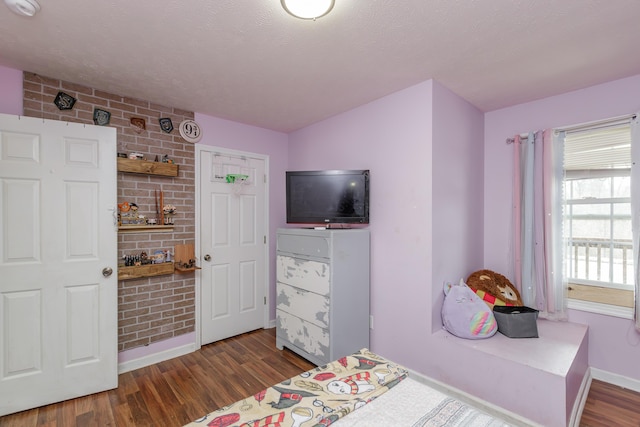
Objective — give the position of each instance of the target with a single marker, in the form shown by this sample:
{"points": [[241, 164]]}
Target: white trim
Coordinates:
{"points": [[616, 379], [198, 284], [154, 358], [496, 411], [581, 400], [598, 308]]}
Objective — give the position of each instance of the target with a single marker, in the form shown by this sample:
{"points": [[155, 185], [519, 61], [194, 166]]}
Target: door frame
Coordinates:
{"points": [[198, 286]]}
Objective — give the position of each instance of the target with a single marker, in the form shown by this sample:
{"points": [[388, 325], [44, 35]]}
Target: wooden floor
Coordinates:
{"points": [[609, 405], [177, 391]]}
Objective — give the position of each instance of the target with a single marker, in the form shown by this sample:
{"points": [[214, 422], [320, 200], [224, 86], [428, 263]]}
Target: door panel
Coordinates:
{"points": [[58, 328], [232, 232]]}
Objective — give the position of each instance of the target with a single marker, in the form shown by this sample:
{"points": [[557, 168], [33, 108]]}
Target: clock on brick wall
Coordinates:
{"points": [[190, 130]]}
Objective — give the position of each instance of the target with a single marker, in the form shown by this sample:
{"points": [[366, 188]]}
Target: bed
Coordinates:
{"points": [[371, 390]]}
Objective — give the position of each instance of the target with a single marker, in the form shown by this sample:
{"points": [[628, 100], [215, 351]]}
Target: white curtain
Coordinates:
{"points": [[537, 209], [635, 210]]}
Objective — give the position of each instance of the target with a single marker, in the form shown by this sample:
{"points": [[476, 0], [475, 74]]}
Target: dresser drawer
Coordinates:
{"points": [[302, 334], [306, 305], [309, 275], [308, 246]]}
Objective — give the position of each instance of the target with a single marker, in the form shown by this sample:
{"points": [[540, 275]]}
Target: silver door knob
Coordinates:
{"points": [[207, 257], [107, 271]]}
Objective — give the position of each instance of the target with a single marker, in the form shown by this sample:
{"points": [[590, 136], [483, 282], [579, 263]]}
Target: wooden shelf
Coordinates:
{"points": [[181, 270], [148, 270], [146, 167], [145, 228]]}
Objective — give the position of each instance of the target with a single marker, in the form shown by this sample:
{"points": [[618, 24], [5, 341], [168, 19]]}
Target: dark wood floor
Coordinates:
{"points": [[609, 405], [177, 391]]}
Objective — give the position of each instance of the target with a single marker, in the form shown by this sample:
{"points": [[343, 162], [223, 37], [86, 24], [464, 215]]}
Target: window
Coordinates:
{"points": [[597, 215]]}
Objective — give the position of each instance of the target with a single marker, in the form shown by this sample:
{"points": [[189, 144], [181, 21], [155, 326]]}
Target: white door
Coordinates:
{"points": [[58, 312], [233, 249]]}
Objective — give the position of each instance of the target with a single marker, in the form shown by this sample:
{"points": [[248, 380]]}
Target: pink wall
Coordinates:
{"points": [[457, 197], [10, 91], [392, 138], [613, 345], [236, 136], [426, 185]]}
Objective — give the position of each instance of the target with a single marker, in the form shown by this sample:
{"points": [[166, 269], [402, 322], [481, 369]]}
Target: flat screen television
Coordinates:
{"points": [[328, 196]]}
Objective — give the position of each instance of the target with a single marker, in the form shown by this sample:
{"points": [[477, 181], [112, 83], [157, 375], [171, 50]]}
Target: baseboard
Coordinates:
{"points": [[615, 379], [154, 358], [272, 324], [581, 400], [487, 407]]}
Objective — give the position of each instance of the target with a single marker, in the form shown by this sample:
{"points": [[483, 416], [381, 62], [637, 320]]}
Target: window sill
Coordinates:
{"points": [[597, 308]]}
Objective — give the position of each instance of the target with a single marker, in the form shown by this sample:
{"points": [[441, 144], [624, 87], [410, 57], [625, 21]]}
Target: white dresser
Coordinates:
{"points": [[322, 303]]}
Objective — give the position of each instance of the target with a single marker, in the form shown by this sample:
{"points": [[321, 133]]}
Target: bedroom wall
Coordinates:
{"points": [[425, 186], [236, 136], [10, 91], [457, 198], [392, 138], [614, 346]]}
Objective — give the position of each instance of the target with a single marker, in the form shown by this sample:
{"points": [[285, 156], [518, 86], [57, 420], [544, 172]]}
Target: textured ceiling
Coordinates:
{"points": [[251, 62]]}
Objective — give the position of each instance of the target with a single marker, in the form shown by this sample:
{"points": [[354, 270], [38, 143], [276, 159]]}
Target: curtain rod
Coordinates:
{"points": [[522, 136], [598, 124], [613, 121]]}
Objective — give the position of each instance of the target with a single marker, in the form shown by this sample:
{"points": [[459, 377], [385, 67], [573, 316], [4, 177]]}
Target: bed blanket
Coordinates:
{"points": [[414, 404], [320, 396]]}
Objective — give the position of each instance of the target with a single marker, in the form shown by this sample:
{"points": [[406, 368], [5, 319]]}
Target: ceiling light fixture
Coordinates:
{"points": [[308, 9], [23, 7]]}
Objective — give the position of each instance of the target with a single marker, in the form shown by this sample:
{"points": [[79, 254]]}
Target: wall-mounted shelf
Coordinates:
{"points": [[145, 228], [147, 167], [181, 270], [148, 270]]}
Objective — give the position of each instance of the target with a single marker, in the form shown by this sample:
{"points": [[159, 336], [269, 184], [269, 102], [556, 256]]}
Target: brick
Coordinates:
{"points": [[160, 308], [150, 318], [67, 86], [173, 313], [107, 95], [95, 102], [137, 327], [135, 313]]}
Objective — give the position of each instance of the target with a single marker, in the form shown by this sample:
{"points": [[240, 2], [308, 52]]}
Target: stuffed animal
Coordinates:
{"points": [[465, 315], [494, 288]]}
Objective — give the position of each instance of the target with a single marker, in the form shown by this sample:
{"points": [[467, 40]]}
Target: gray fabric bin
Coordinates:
{"points": [[516, 322]]}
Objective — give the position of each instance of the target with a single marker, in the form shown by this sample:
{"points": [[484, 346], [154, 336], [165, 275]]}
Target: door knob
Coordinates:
{"points": [[207, 257], [107, 271]]}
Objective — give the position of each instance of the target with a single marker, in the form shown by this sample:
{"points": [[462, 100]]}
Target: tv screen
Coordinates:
{"points": [[329, 196]]}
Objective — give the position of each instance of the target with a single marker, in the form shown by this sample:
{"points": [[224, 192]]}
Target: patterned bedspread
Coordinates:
{"points": [[317, 398]]}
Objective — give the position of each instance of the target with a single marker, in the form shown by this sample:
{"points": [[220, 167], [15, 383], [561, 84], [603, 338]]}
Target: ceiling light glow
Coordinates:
{"points": [[23, 7], [308, 9]]}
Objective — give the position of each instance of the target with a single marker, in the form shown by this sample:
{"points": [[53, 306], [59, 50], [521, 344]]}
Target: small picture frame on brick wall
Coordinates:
{"points": [[101, 117], [138, 124], [166, 124], [64, 101]]}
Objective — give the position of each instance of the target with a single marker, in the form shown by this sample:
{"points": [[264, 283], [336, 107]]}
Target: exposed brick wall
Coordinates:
{"points": [[156, 308]]}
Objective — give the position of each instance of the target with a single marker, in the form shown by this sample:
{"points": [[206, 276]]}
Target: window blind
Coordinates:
{"points": [[603, 148]]}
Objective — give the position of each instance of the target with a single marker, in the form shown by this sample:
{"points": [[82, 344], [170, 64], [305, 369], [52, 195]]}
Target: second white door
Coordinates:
{"points": [[233, 248]]}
